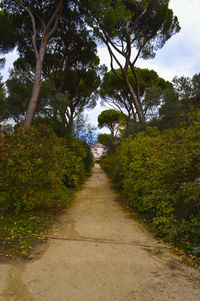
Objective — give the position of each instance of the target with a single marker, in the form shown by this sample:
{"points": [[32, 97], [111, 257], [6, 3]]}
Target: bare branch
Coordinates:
{"points": [[114, 106], [137, 21], [42, 22], [128, 55], [137, 56], [55, 15], [33, 25], [112, 43], [111, 63], [54, 27]]}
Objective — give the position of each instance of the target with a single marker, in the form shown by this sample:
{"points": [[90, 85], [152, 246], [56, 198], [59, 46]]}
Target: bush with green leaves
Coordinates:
{"points": [[160, 176], [34, 166], [79, 164]]}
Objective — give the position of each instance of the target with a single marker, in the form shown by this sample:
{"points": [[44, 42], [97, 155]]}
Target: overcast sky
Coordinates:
{"points": [[179, 56], [181, 53]]}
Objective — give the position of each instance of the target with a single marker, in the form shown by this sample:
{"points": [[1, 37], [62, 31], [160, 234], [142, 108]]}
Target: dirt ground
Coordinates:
{"points": [[110, 257]]}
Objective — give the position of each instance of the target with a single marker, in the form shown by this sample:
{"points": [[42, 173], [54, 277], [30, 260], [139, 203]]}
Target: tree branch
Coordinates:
{"points": [[137, 84], [41, 21], [136, 21], [33, 25], [137, 56], [111, 62], [56, 14], [115, 105], [54, 27], [110, 41]]}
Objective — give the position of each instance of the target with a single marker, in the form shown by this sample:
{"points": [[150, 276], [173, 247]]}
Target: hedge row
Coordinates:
{"points": [[159, 174], [34, 166]]}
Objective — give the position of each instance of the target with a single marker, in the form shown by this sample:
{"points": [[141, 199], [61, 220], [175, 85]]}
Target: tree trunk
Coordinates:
{"points": [[112, 131], [137, 85], [48, 30], [70, 127], [137, 104], [35, 90]]}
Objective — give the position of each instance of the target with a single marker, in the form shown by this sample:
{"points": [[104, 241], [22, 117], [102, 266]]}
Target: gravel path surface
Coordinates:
{"points": [[98, 252]]}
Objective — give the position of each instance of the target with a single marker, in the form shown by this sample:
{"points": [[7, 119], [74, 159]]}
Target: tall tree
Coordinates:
{"points": [[84, 130], [37, 23], [188, 89], [7, 32], [131, 29], [2, 96], [170, 111], [178, 102], [71, 66], [115, 93], [79, 92], [71, 48], [110, 119], [19, 86], [108, 141]]}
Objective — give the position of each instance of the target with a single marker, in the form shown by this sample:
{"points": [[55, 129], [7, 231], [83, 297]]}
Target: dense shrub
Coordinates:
{"points": [[79, 163], [160, 177], [34, 165], [31, 169]]}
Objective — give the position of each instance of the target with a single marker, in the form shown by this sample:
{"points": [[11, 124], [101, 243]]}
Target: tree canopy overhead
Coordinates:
{"points": [[114, 92], [111, 120], [52, 34], [35, 23], [7, 42], [19, 86], [131, 29]]}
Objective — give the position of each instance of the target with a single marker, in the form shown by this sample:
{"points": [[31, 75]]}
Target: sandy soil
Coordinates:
{"points": [[110, 257]]}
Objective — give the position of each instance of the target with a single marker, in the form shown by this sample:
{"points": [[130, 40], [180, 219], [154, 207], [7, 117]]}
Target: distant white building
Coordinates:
{"points": [[98, 150]]}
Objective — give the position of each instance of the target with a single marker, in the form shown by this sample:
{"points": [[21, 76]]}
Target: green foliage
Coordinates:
{"points": [[107, 140], [35, 164], [159, 175], [7, 33], [19, 87], [79, 163], [32, 168], [111, 18], [110, 119], [2, 97], [20, 231], [2, 90], [170, 110], [132, 29], [114, 91], [71, 76], [87, 159], [188, 90], [178, 102]]}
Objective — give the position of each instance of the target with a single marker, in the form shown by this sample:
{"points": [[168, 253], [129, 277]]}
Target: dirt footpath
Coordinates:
{"points": [[109, 257]]}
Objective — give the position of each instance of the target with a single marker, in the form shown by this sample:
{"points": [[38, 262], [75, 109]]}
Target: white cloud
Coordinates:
{"points": [[10, 58], [181, 54], [93, 116]]}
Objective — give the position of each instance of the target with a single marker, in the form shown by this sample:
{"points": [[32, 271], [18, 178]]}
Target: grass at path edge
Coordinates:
{"points": [[19, 232], [187, 257]]}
